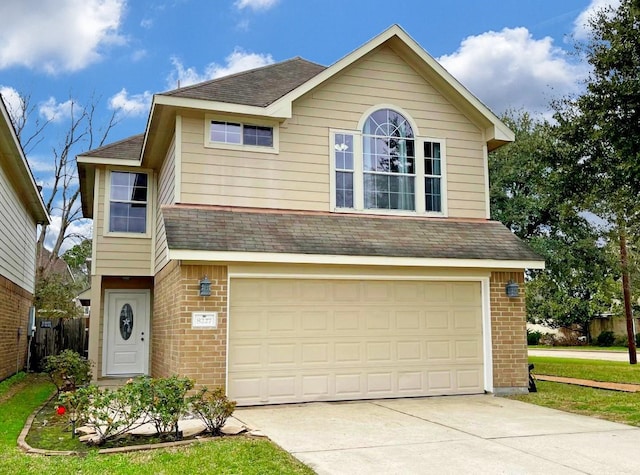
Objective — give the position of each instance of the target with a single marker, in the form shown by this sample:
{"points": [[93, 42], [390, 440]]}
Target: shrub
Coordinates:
{"points": [[637, 339], [213, 408], [68, 370], [533, 337], [164, 400], [112, 413], [606, 338]]}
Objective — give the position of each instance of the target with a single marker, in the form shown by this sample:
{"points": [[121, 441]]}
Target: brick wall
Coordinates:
{"points": [[508, 329], [14, 314], [176, 347]]}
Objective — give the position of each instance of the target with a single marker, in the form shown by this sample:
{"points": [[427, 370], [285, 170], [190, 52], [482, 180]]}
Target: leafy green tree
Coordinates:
{"points": [[527, 196], [600, 128], [55, 295], [76, 258]]}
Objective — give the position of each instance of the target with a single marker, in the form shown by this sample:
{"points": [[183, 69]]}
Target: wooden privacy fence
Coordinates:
{"points": [[54, 334]]}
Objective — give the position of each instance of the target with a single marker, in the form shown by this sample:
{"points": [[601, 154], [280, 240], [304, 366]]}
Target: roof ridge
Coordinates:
{"points": [[238, 74]]}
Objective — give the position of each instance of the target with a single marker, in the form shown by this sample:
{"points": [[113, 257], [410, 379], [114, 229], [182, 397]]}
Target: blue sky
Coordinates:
{"points": [[510, 53]]}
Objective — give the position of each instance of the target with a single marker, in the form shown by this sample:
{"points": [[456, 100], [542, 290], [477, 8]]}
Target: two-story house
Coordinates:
{"points": [[21, 210], [300, 233]]}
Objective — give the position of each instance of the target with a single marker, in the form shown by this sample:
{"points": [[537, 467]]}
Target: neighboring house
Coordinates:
{"points": [[21, 210], [337, 216]]}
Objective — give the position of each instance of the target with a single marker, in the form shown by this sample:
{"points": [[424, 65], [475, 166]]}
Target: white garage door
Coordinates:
{"points": [[323, 340]]}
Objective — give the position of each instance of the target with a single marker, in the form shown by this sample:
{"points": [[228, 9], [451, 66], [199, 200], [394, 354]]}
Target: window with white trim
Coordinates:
{"points": [[240, 134], [386, 167], [128, 202]]}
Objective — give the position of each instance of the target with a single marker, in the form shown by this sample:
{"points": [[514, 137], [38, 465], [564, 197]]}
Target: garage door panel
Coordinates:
{"points": [[315, 321], [414, 340], [346, 320], [439, 351], [378, 320], [409, 351], [314, 353]]}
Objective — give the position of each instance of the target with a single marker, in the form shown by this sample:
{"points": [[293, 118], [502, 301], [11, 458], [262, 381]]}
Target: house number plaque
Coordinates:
{"points": [[204, 320]]}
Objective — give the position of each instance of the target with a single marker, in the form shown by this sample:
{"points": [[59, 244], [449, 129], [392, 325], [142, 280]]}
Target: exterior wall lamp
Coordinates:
{"points": [[205, 287], [512, 289]]}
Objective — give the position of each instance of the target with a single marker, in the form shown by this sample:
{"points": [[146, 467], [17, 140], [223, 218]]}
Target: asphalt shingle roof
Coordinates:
{"points": [[257, 87], [125, 149], [335, 234]]}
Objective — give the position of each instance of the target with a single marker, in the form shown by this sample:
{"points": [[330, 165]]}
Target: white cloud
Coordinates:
{"points": [[131, 105], [511, 69], [146, 23], [58, 35], [255, 4], [137, 55], [13, 101], [41, 165], [78, 230], [239, 60], [55, 111], [581, 26]]}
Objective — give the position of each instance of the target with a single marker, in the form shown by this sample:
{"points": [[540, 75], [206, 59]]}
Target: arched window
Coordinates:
{"points": [[388, 154], [387, 167]]}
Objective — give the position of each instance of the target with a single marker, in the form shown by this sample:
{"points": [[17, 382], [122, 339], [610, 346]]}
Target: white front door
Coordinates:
{"points": [[126, 334]]}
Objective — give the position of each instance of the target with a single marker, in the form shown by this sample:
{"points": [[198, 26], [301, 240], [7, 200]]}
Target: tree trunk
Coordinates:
{"points": [[626, 292]]}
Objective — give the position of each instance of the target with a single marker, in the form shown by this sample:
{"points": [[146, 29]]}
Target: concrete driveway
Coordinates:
{"points": [[455, 434]]}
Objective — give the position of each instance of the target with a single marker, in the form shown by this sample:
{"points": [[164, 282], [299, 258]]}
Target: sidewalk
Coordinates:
{"points": [[629, 388]]}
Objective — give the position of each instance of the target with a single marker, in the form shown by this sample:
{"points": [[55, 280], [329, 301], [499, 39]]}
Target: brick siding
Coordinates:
{"points": [[14, 314], [176, 347], [509, 334]]}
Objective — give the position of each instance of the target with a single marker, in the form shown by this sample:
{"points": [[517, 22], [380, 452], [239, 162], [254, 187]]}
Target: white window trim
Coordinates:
{"points": [[358, 177], [107, 202], [274, 124]]}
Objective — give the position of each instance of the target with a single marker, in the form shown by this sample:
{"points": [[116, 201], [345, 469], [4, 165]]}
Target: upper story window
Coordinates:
{"points": [[386, 166], [241, 134], [388, 162], [128, 202]]}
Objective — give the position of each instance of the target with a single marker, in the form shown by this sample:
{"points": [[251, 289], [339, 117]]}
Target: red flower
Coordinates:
{"points": [[61, 410]]}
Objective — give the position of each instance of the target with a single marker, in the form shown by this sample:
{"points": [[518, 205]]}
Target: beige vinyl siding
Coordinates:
{"points": [[298, 176], [17, 236], [166, 195], [117, 255]]}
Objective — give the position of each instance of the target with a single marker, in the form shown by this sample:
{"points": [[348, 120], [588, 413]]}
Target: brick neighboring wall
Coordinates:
{"points": [[509, 334], [177, 348], [14, 314]]}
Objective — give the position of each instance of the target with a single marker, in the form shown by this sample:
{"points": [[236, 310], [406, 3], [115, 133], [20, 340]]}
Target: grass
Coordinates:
{"points": [[609, 405], [597, 370], [225, 455], [613, 406]]}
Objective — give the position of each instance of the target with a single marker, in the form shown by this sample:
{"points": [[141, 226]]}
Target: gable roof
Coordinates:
{"points": [[221, 232], [270, 91], [256, 87], [126, 149], [125, 152], [13, 158]]}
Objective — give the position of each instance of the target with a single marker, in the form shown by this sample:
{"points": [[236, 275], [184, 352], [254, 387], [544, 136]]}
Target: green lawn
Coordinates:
{"points": [[597, 370], [223, 456], [610, 405]]}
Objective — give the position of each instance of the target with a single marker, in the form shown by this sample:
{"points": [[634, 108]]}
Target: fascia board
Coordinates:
{"points": [[285, 258]]}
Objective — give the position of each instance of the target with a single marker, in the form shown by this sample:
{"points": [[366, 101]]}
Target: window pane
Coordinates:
{"points": [[256, 135], [120, 178], [344, 190], [343, 146], [433, 194], [225, 132]]}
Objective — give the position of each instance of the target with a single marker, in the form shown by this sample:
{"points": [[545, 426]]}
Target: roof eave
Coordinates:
{"points": [[290, 258], [20, 169]]}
